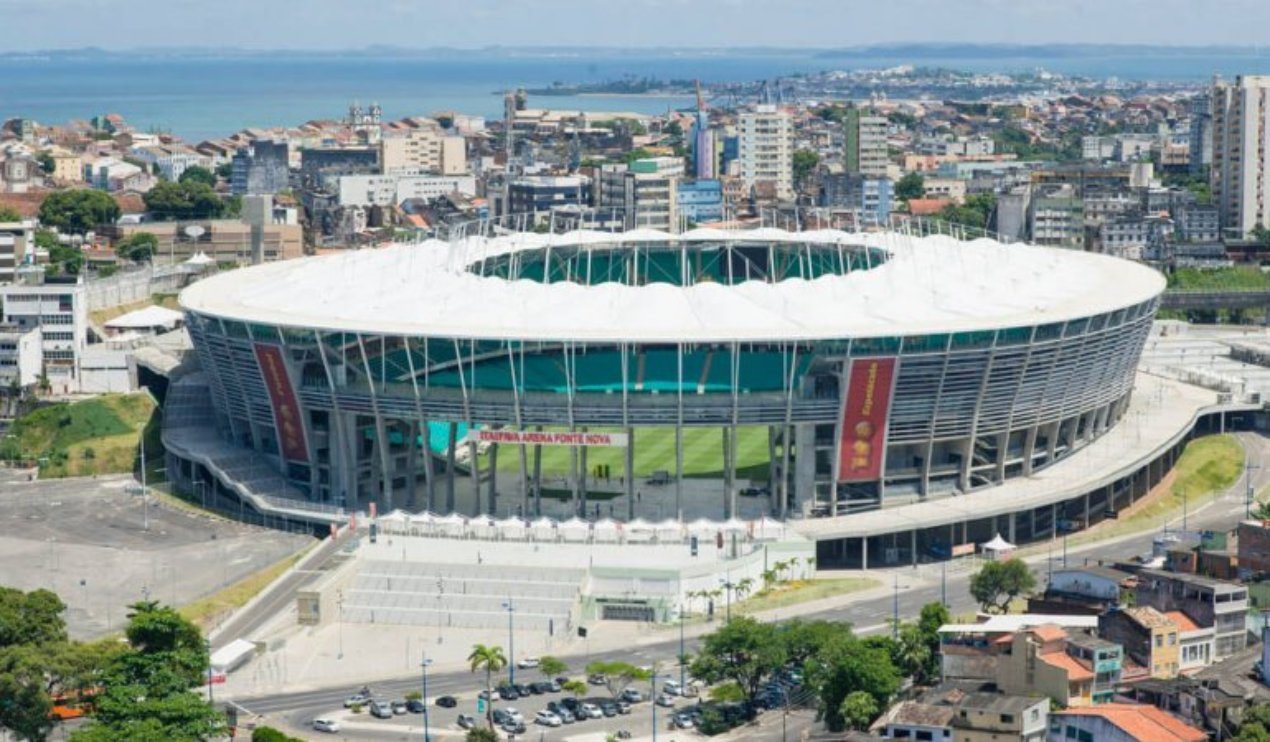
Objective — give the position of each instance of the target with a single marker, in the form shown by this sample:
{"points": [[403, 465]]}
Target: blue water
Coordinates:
{"points": [[201, 98]]}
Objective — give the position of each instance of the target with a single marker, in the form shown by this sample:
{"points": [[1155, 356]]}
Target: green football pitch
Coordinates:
{"points": [[655, 451]]}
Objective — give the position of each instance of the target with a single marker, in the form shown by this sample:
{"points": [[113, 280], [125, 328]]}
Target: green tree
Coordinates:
{"points": [[225, 171], [137, 247], [804, 162], [490, 659], [997, 584], [933, 616], [481, 734], [186, 200], [575, 688], [47, 163], [912, 654], [151, 690], [269, 734], [9, 215], [858, 710], [25, 704], [847, 665], [551, 667], [911, 186], [744, 651], [78, 211], [803, 639], [198, 174], [975, 213], [33, 618], [617, 675]]}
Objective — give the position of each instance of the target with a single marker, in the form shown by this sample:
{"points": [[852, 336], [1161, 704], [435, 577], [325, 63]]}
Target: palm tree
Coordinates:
{"points": [[769, 577], [780, 568], [491, 659], [793, 562], [743, 587]]}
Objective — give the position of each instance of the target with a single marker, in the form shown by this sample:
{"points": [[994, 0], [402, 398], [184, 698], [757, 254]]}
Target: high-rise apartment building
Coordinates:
{"points": [[260, 168], [646, 192], [1201, 133], [864, 138], [57, 308], [1241, 152], [17, 241], [765, 148]]}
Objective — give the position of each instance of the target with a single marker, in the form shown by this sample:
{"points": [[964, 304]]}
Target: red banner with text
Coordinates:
{"points": [[286, 411], [862, 444]]}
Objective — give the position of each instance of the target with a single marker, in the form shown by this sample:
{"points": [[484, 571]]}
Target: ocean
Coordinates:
{"points": [[211, 96]]}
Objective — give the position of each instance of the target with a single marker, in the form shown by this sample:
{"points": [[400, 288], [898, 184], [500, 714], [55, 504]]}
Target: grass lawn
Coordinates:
{"points": [[802, 591], [1208, 466], [655, 450], [94, 436], [205, 612]]}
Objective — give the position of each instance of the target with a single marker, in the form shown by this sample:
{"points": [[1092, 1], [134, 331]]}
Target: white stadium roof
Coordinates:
{"points": [[929, 285]]}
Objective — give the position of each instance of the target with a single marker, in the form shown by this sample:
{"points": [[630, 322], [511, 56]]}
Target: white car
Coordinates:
{"points": [[672, 688], [527, 663], [548, 719], [514, 715], [591, 710], [326, 725]]}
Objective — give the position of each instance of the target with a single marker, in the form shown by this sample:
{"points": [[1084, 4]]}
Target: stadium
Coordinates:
{"points": [[710, 374]]}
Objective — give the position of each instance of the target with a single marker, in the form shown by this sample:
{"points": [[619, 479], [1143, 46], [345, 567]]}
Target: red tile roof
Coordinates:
{"points": [[1146, 723], [927, 206], [1064, 661], [1048, 632], [1183, 621]]}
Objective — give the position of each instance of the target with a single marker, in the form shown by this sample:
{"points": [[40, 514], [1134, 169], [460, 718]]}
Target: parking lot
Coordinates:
{"points": [[545, 713]]}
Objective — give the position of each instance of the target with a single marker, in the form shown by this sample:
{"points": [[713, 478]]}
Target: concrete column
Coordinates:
{"points": [[805, 468], [1053, 521], [1087, 509], [912, 546], [864, 552], [1010, 525], [450, 459]]}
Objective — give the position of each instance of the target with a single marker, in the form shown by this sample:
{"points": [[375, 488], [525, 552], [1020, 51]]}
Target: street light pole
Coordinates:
{"points": [[339, 603], [681, 646], [511, 642], [427, 737], [895, 608], [653, 688]]}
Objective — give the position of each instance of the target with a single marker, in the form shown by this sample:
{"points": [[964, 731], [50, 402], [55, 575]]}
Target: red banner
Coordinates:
{"points": [[286, 411], [862, 441]]}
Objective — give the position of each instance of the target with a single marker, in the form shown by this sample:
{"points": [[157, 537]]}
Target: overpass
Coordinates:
{"points": [[1214, 299]]}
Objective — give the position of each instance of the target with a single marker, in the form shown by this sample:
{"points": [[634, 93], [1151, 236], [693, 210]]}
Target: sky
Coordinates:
{"points": [[343, 24]]}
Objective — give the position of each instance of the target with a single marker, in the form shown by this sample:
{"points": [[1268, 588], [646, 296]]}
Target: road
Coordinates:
{"points": [[868, 616]]}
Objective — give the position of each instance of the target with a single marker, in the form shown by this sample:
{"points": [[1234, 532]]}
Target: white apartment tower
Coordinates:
{"points": [[1241, 152], [765, 148]]}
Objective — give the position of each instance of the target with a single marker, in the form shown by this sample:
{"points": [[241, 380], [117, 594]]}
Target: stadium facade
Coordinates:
{"points": [[882, 366]]}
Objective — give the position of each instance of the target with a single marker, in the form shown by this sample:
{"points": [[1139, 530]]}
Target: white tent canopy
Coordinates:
{"points": [[148, 317], [997, 544]]}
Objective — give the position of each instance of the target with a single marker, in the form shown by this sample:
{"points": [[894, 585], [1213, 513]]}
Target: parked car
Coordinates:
{"points": [[553, 686], [508, 693], [381, 709], [665, 700], [515, 715], [672, 688], [357, 699], [631, 695], [547, 719], [683, 720], [500, 716], [447, 702], [592, 711], [566, 716], [524, 690], [609, 709], [623, 707], [415, 706], [527, 663], [514, 727], [560, 680], [485, 694], [399, 707], [326, 725], [572, 704], [596, 678], [467, 721]]}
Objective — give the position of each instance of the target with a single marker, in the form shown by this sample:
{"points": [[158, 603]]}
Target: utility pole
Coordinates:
{"points": [[681, 646], [511, 642], [895, 608], [1248, 494], [145, 495], [427, 737]]}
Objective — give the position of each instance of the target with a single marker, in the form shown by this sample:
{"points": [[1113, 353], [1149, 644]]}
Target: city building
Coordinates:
{"points": [[1241, 153], [1149, 638], [646, 191], [530, 194], [871, 198], [765, 149], [700, 201], [1056, 217], [1072, 668], [222, 240], [318, 164], [956, 714], [56, 308], [864, 141], [21, 356], [1209, 603], [261, 168], [425, 148], [1087, 590], [17, 246], [1200, 140]]}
